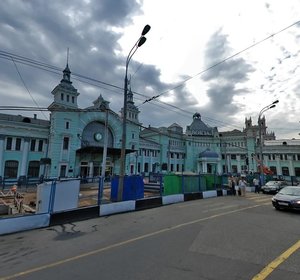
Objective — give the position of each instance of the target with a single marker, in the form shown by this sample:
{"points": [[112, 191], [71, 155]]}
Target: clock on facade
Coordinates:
{"points": [[98, 136]]}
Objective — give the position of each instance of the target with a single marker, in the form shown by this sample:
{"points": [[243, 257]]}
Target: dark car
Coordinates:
{"points": [[287, 198], [273, 186]]}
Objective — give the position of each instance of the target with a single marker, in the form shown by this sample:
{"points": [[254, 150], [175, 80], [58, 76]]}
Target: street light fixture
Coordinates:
{"points": [[266, 108], [138, 44]]}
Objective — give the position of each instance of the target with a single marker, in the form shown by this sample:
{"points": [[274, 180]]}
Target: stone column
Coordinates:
{"points": [[2, 138], [24, 159], [291, 166], [279, 170], [91, 169], [239, 168]]}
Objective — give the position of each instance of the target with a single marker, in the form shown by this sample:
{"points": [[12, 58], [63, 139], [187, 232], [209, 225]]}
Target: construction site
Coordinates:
{"points": [[22, 201]]}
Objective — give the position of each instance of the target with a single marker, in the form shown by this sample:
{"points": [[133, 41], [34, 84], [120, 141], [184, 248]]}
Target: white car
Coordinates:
{"points": [[273, 186]]}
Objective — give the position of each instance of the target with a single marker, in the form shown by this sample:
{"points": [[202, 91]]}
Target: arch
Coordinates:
{"points": [[33, 168], [27, 120], [11, 169], [93, 135]]}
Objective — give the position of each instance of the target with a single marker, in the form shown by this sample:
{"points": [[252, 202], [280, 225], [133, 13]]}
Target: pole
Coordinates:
{"points": [[102, 177], [260, 150], [138, 44], [264, 109], [123, 148]]}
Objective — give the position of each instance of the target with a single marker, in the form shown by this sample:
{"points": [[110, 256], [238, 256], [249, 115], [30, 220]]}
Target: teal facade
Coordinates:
{"points": [[80, 142]]}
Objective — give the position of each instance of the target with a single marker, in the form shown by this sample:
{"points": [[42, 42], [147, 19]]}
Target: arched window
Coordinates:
{"points": [[33, 169], [11, 169], [285, 171], [273, 169]]}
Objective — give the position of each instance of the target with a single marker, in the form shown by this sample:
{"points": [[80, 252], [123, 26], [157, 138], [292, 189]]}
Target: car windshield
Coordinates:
{"points": [[290, 191]]}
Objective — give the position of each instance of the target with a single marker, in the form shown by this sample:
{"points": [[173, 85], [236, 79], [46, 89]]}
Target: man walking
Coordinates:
{"points": [[256, 185]]}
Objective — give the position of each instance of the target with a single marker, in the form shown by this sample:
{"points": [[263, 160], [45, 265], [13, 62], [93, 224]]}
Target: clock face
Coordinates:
{"points": [[98, 136]]}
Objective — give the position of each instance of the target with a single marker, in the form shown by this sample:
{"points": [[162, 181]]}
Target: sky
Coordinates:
{"points": [[226, 60]]}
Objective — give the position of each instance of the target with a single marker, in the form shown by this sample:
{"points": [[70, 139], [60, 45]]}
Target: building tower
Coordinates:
{"points": [[132, 110]]}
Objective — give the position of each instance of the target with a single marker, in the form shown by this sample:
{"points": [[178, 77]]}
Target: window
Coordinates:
{"points": [[132, 136], [62, 96], [273, 169], [18, 144], [224, 168], [285, 171], [11, 169], [285, 157], [33, 169], [63, 171], [73, 99], [297, 171], [234, 168], [67, 125], [66, 143], [68, 98], [40, 148], [8, 143], [32, 145], [146, 167], [233, 156]]}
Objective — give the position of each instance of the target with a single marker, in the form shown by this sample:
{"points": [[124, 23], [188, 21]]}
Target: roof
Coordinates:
{"points": [[208, 154], [198, 127]]}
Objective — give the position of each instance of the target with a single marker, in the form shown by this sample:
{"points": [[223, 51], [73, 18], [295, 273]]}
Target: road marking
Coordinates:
{"points": [[274, 264], [219, 208], [116, 245]]}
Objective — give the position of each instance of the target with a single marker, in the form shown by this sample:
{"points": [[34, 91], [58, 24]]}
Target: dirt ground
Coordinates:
{"points": [[88, 196]]}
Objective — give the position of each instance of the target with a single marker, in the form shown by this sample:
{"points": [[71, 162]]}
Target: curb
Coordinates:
{"points": [[35, 221]]}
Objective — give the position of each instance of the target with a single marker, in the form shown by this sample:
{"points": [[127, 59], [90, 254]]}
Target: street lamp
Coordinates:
{"points": [[266, 108], [139, 43]]}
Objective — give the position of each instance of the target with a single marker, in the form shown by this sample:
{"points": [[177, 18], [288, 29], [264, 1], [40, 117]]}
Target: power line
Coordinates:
{"points": [[222, 61], [44, 66], [27, 87], [81, 78]]}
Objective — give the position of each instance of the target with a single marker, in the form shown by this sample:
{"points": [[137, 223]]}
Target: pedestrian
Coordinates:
{"points": [[256, 185], [242, 185], [233, 183], [237, 187]]}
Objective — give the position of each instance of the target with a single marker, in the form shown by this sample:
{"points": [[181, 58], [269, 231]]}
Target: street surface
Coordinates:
{"points": [[211, 239]]}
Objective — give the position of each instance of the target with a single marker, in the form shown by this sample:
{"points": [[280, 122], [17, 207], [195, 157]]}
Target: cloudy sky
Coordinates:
{"points": [[215, 57]]}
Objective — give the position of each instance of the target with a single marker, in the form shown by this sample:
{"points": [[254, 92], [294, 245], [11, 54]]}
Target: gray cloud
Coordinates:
{"points": [[224, 78], [43, 30]]}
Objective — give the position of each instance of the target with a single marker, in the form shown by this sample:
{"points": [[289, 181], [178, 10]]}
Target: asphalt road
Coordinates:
{"points": [[211, 239]]}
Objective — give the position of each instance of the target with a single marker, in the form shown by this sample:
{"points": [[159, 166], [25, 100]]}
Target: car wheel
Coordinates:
{"points": [[277, 207]]}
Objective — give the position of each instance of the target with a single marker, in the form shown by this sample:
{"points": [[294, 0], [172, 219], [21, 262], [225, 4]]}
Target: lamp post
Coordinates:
{"points": [[139, 43], [264, 109]]}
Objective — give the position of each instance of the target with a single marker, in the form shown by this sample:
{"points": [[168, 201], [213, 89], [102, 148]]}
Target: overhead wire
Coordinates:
{"points": [[45, 66], [224, 60], [27, 89]]}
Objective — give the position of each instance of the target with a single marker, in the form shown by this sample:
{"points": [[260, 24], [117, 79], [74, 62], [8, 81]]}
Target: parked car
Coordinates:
{"points": [[273, 186], [287, 198]]}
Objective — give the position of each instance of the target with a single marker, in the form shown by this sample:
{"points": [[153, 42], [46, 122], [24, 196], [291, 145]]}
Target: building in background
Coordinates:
{"points": [[72, 143]]}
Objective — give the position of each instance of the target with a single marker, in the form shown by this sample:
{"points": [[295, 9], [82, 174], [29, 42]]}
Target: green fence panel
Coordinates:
{"points": [[172, 184], [191, 184]]}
